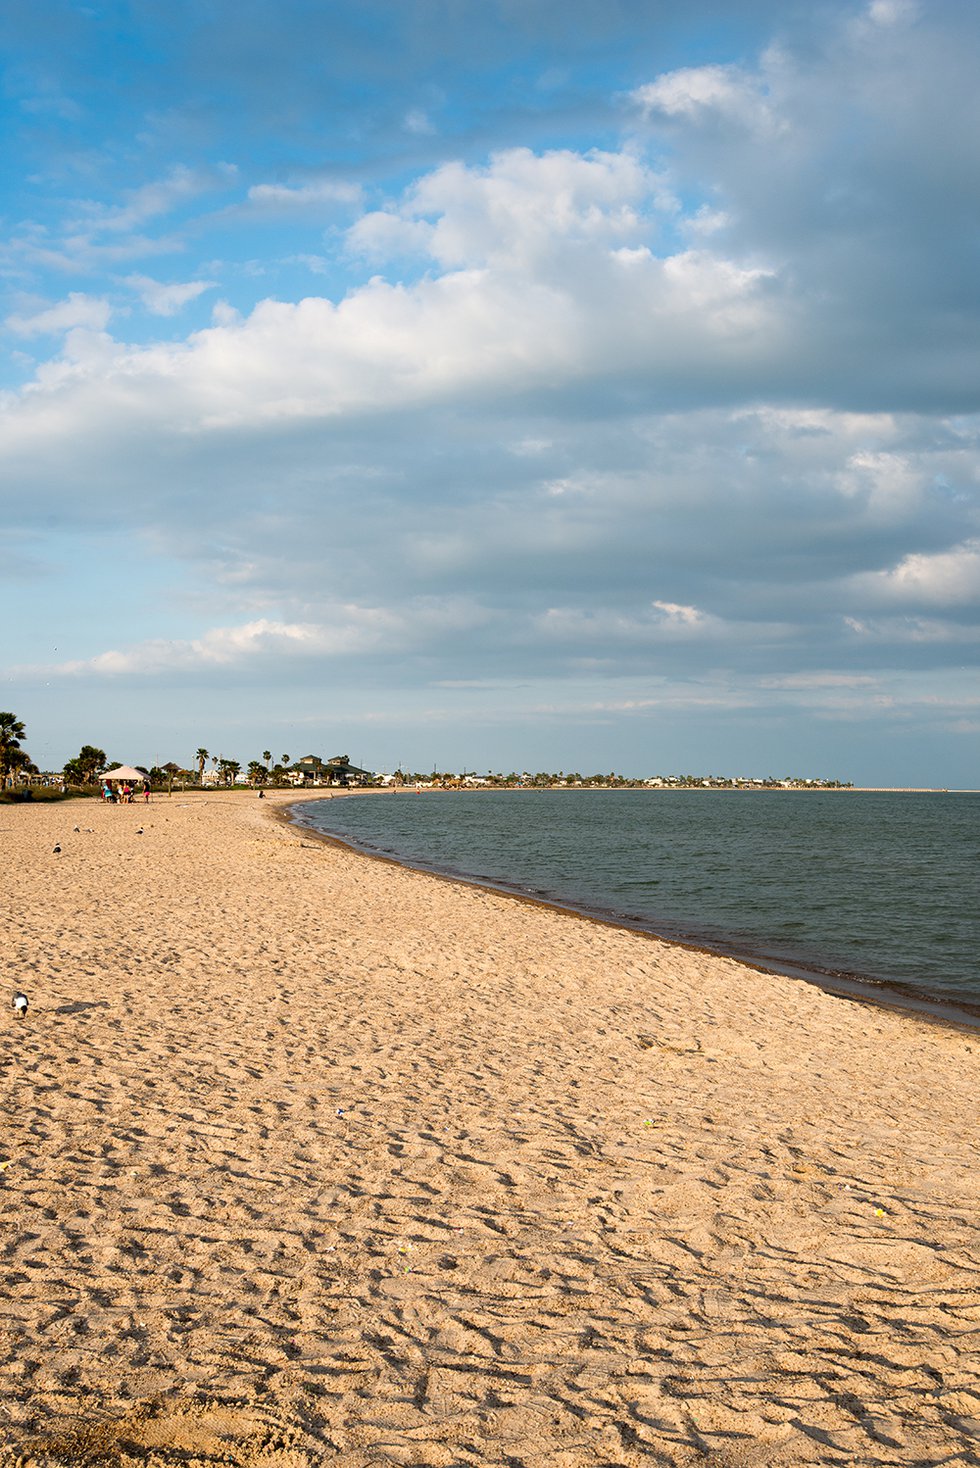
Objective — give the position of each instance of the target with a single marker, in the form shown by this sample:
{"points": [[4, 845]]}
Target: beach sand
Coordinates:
{"points": [[311, 1159]]}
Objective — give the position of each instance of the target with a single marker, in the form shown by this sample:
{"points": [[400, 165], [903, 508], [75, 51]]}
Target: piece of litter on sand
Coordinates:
{"points": [[5, 1165], [879, 1213]]}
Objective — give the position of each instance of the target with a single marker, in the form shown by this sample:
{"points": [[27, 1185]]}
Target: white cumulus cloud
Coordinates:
{"points": [[166, 299], [945, 578], [700, 93], [91, 313], [518, 207]]}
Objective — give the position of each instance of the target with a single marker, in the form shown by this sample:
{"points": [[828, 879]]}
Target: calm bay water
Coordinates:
{"points": [[876, 886]]}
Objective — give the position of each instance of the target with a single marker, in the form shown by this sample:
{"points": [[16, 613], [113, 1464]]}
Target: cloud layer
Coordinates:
{"points": [[686, 413]]}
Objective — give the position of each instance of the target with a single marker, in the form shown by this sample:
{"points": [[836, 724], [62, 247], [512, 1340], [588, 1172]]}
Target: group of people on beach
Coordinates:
{"points": [[124, 795]]}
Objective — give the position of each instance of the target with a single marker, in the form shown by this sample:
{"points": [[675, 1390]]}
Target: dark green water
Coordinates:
{"points": [[878, 887]]}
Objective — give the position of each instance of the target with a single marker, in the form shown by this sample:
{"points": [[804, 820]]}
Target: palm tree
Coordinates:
{"points": [[19, 759], [267, 756], [83, 769], [11, 733], [201, 756], [73, 773], [285, 760], [91, 760]]}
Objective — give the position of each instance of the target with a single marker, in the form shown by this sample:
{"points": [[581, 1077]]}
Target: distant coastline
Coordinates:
{"points": [[449, 788]]}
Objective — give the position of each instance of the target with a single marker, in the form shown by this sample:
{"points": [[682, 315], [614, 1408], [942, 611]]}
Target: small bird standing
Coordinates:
{"points": [[57, 848], [19, 1003]]}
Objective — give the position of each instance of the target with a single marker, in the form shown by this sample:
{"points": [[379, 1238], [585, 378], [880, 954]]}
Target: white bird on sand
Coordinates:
{"points": [[19, 1003], [57, 847]]}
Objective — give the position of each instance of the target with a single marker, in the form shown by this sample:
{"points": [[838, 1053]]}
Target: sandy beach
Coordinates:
{"points": [[307, 1158]]}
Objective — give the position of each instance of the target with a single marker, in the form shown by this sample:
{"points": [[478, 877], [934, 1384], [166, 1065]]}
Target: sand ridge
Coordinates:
{"points": [[311, 1159]]}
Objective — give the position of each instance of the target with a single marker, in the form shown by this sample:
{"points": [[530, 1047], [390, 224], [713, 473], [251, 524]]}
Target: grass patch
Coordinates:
{"points": [[37, 794]]}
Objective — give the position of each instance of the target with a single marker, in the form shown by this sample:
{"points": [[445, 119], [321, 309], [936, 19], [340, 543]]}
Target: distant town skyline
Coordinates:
{"points": [[576, 385]]}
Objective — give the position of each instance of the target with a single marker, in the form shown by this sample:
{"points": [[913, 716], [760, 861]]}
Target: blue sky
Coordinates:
{"points": [[472, 383]]}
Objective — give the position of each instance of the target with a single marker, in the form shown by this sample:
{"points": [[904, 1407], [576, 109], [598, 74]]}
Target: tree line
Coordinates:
{"points": [[90, 763]]}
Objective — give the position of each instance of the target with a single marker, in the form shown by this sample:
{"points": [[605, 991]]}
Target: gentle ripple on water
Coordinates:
{"points": [[879, 885]]}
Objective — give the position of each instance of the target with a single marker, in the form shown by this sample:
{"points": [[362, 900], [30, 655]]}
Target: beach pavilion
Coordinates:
{"points": [[124, 774]]}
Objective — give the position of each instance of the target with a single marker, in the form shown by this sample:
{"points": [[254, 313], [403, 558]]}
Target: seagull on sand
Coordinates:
{"points": [[19, 1004], [57, 848], [140, 831]]}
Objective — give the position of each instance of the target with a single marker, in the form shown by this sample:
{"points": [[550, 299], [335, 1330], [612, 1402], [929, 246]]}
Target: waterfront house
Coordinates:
{"points": [[338, 770]]}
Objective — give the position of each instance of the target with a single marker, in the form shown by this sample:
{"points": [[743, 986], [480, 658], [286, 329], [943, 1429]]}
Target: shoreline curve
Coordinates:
{"points": [[861, 989]]}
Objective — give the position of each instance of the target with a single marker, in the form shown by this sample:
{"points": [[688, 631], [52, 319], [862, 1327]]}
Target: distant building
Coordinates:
{"points": [[313, 770], [308, 769], [342, 772]]}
